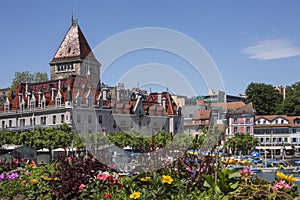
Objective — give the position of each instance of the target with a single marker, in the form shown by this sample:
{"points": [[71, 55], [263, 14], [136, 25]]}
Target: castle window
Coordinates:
{"points": [[69, 50], [3, 124], [54, 119], [10, 123], [32, 121], [22, 122], [62, 118], [100, 119], [43, 120]]}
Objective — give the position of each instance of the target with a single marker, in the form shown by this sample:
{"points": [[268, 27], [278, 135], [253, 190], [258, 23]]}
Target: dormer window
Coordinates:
{"points": [[58, 99], [78, 101], [89, 101], [43, 103], [32, 104], [6, 107]]}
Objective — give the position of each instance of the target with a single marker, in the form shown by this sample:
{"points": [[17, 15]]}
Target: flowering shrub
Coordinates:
{"points": [[26, 182], [188, 178]]}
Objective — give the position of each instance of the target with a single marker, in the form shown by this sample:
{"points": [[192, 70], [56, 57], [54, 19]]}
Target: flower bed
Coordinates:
{"points": [[79, 178]]}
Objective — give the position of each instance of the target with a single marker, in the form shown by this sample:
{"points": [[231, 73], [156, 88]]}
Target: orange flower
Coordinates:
{"points": [[34, 181]]}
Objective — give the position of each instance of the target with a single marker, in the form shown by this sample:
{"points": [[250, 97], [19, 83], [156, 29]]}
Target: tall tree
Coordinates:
{"points": [[291, 105], [265, 98], [26, 76]]}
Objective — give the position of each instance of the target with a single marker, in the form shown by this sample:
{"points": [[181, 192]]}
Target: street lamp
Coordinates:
{"points": [[33, 129]]}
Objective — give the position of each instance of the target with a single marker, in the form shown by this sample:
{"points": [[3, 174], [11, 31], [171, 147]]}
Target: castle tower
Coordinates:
{"points": [[74, 57]]}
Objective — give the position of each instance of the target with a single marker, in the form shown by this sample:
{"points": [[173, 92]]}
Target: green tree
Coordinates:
{"points": [[265, 98], [26, 76], [241, 143], [291, 104]]}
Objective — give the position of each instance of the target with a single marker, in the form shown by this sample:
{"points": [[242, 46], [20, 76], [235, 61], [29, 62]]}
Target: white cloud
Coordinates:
{"points": [[272, 49]]}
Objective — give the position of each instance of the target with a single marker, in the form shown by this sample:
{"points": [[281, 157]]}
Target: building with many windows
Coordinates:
{"points": [[75, 96], [278, 134]]}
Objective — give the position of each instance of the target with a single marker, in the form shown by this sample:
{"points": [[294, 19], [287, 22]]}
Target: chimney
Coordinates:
{"points": [[59, 84], [159, 98], [26, 89], [40, 97], [104, 94], [52, 93], [164, 103], [118, 94]]}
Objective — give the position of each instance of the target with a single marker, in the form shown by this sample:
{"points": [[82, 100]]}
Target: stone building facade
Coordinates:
{"points": [[74, 95]]}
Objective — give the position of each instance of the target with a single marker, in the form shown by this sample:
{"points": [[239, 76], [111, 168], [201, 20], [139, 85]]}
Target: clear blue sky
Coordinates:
{"points": [[249, 41]]}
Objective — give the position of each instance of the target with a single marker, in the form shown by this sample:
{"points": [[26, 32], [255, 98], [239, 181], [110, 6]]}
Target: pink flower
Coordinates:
{"points": [[246, 172], [69, 160], [102, 176], [281, 185], [81, 187]]}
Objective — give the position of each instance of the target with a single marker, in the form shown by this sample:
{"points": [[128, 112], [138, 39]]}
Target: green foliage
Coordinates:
{"points": [[139, 141], [291, 105], [242, 143], [26, 76], [262, 189], [265, 98], [50, 138], [224, 181]]}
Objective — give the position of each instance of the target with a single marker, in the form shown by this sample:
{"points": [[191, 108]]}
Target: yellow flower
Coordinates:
{"points": [[166, 179], [34, 181], [47, 178], [289, 178], [145, 179], [135, 195]]}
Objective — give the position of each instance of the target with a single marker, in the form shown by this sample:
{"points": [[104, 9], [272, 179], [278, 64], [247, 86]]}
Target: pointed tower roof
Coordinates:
{"points": [[74, 46]]}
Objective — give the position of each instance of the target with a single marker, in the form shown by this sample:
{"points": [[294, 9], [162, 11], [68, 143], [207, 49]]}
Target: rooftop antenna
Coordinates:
{"points": [[74, 21], [72, 13]]}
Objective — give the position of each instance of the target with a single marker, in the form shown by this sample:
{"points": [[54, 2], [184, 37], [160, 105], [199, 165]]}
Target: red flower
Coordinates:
{"points": [[111, 179], [107, 195], [23, 182], [102, 176], [120, 185], [32, 163]]}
